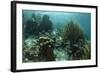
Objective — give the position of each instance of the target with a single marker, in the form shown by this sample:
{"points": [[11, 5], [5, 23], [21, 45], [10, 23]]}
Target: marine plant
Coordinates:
{"points": [[73, 38], [87, 50]]}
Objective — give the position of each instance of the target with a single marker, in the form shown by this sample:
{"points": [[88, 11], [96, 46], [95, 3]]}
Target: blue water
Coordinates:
{"points": [[59, 19]]}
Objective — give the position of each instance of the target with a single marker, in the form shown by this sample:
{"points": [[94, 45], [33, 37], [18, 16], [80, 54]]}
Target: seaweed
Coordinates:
{"points": [[87, 50], [73, 38]]}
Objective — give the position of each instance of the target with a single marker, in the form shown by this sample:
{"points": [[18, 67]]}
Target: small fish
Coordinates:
{"points": [[49, 45], [76, 45], [41, 44]]}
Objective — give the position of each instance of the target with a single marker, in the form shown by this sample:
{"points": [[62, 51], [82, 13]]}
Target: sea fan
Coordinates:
{"points": [[73, 37]]}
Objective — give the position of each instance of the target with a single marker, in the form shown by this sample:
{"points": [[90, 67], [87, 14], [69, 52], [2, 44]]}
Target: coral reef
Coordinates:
{"points": [[36, 25], [30, 27], [46, 24], [40, 49], [30, 50], [45, 39], [46, 49]]}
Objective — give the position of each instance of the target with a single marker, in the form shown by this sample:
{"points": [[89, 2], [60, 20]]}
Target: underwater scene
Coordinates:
{"points": [[55, 36]]}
